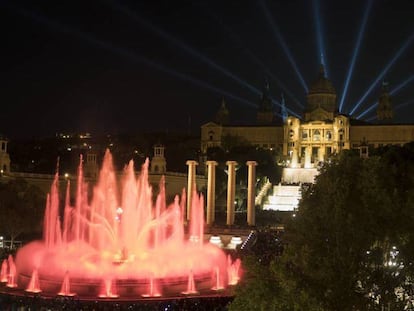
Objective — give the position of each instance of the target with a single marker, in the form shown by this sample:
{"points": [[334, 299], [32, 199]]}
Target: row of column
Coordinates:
{"points": [[231, 190]]}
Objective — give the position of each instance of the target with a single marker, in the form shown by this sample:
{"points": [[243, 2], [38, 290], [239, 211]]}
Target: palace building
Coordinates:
{"points": [[321, 132]]}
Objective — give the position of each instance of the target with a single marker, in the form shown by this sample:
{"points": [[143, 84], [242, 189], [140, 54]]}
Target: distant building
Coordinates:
{"points": [[175, 182], [158, 161], [4, 156], [321, 132], [90, 166]]}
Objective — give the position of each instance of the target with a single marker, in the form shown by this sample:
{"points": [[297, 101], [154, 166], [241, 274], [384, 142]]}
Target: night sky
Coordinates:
{"points": [[125, 66]]}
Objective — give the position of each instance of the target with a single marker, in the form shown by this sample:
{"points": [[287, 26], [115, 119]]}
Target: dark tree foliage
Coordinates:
{"points": [[21, 209], [351, 244], [266, 163], [266, 168], [263, 287]]}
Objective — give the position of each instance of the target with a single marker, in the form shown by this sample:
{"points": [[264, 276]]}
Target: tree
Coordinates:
{"points": [[351, 244], [21, 206], [344, 244], [263, 287], [260, 291]]}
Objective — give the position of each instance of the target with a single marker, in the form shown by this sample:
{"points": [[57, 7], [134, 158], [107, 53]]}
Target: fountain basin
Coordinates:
{"points": [[119, 243]]}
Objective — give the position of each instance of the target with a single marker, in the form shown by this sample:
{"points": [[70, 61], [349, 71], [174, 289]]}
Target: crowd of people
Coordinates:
{"points": [[38, 303]]}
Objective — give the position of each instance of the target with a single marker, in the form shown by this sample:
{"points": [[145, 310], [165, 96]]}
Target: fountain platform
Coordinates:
{"points": [[118, 244]]}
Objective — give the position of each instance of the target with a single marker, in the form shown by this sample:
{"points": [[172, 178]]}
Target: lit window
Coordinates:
{"points": [[305, 135], [341, 134], [211, 135], [328, 135], [303, 151], [316, 135]]}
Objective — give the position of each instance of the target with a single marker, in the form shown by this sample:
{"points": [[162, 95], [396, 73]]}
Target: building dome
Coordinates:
{"points": [[321, 99], [322, 84]]}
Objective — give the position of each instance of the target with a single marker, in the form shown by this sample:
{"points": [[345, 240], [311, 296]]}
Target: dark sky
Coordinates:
{"points": [[121, 66]]}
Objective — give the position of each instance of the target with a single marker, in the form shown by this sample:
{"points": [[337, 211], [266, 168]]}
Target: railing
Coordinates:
{"points": [[31, 175], [51, 176], [9, 244], [249, 240], [262, 192]]}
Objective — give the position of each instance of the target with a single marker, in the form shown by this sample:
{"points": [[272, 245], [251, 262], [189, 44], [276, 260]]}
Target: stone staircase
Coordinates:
{"points": [[284, 198]]}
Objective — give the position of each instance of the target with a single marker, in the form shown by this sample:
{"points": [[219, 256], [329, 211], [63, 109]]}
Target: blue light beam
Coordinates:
{"points": [[384, 71], [236, 39], [319, 37], [132, 56], [403, 84], [394, 91], [406, 103], [275, 78], [356, 51], [283, 44], [193, 52]]}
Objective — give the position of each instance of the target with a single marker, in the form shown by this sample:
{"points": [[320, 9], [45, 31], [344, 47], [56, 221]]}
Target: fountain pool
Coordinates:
{"points": [[117, 242]]}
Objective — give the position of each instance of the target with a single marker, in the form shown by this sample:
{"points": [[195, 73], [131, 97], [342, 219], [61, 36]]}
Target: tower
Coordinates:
{"points": [[265, 112], [91, 168], [158, 162], [222, 115], [283, 109], [4, 156], [384, 110]]}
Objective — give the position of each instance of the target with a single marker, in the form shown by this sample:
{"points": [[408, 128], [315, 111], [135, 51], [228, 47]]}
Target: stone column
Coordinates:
{"points": [[231, 190], [190, 184], [308, 154], [251, 187], [211, 191], [294, 163]]}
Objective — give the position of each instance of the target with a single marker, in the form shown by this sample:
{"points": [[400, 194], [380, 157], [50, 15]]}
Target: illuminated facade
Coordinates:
{"points": [[322, 131]]}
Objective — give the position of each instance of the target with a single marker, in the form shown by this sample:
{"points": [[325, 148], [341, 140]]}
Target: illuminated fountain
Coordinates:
{"points": [[120, 244]]}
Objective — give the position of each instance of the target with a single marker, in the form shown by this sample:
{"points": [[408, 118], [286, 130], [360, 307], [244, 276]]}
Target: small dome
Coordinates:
{"points": [[321, 96], [322, 84]]}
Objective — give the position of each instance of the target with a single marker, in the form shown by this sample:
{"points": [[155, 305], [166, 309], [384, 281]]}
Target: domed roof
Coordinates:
{"points": [[322, 84]]}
